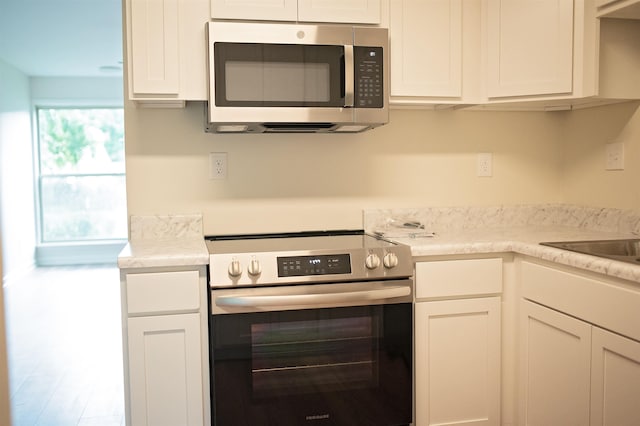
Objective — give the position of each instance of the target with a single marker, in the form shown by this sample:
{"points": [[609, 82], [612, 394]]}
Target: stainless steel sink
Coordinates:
{"points": [[627, 250]]}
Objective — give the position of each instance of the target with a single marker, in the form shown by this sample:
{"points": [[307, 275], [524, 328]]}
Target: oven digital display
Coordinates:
{"points": [[297, 266]]}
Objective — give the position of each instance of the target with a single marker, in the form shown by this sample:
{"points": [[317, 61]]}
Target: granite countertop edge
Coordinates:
{"points": [[177, 252], [164, 253], [600, 265]]}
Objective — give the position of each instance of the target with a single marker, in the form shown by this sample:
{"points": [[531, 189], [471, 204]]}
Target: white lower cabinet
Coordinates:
{"points": [[458, 362], [458, 342], [165, 345], [164, 370], [615, 379], [573, 373], [554, 381]]}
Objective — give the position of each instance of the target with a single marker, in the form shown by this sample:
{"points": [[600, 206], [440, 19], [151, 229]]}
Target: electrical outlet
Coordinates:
{"points": [[615, 156], [484, 165], [218, 165]]}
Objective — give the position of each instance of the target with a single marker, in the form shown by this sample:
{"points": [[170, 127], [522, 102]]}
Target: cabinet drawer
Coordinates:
{"points": [[452, 278], [163, 292]]}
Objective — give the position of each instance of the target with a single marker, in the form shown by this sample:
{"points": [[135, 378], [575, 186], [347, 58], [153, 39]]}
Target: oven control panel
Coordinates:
{"points": [[297, 266]]}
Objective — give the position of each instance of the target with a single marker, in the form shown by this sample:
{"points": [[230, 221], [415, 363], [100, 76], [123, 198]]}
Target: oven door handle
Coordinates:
{"points": [[313, 299]]}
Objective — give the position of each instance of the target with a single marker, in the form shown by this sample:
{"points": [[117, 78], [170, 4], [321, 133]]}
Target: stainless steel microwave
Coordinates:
{"points": [[289, 78]]}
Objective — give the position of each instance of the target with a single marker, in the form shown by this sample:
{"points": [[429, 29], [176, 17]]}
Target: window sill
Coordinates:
{"points": [[79, 253]]}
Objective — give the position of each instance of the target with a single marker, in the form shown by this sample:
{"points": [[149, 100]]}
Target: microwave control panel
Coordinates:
{"points": [[369, 92]]}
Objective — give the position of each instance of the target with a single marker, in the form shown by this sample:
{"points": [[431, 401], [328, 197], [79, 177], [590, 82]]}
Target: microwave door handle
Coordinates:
{"points": [[348, 77], [313, 299]]}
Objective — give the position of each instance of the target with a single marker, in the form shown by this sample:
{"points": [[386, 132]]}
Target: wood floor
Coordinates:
{"points": [[65, 349]]}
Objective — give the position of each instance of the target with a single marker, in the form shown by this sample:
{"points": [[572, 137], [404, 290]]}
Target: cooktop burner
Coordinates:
{"points": [[318, 256]]}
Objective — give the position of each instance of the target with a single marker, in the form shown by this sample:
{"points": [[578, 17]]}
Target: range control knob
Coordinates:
{"points": [[372, 261], [254, 267], [234, 268], [390, 260]]}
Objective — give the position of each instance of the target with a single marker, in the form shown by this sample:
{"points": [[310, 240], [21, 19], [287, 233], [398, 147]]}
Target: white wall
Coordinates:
{"points": [[584, 178], [297, 182], [17, 218], [77, 91]]}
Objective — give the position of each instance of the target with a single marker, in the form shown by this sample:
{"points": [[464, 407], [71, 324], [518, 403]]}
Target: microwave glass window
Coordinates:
{"points": [[277, 81], [278, 75]]}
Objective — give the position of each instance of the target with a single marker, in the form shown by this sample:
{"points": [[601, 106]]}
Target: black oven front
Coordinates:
{"points": [[323, 354]]}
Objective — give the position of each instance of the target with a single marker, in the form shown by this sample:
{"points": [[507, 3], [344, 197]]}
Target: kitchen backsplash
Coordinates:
{"points": [[428, 220], [164, 227], [443, 219]]}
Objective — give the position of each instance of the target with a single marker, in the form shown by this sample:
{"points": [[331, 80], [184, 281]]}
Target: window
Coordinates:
{"points": [[82, 193]]}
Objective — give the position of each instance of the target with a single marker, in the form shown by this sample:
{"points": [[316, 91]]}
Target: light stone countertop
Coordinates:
{"points": [[177, 240], [164, 241], [518, 229], [525, 241], [164, 253]]}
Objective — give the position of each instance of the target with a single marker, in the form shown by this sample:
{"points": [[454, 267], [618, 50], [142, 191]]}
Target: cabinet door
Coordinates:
{"points": [[357, 11], [529, 47], [555, 370], [615, 379], [154, 51], [270, 10], [426, 48], [458, 362], [165, 370]]}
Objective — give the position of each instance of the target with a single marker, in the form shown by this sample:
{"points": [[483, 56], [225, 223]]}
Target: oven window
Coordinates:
{"points": [[278, 75], [305, 356]]}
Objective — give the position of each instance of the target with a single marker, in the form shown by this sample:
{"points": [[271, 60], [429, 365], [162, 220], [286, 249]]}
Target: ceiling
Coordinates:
{"points": [[70, 38]]}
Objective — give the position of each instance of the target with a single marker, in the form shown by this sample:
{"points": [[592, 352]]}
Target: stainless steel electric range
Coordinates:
{"points": [[310, 328]]}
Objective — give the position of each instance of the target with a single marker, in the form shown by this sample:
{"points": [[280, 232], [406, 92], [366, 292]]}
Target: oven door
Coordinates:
{"points": [[325, 354]]}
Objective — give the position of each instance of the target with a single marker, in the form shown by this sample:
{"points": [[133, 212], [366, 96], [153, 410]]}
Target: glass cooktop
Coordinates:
{"points": [[298, 241]]}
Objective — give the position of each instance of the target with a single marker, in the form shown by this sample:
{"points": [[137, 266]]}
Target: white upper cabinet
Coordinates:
{"points": [[426, 48], [153, 47], [435, 51], [529, 47], [165, 50], [556, 53], [268, 10], [359, 11], [353, 11]]}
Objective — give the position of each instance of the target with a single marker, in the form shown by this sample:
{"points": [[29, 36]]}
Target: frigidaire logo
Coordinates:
{"points": [[317, 417]]}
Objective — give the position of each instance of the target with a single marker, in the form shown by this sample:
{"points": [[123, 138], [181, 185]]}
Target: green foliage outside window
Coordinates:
{"points": [[82, 186], [69, 135]]}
